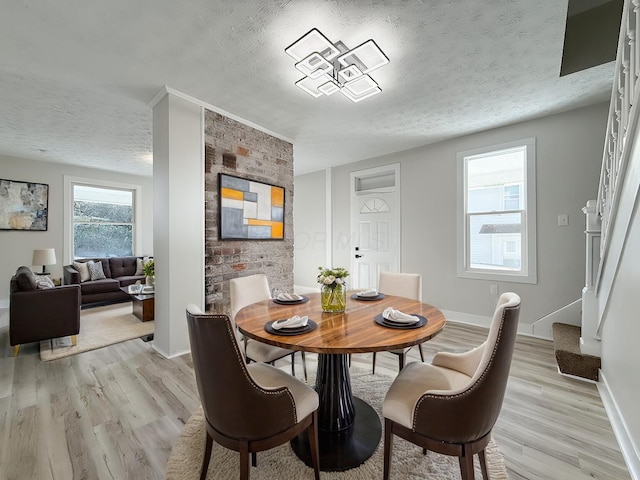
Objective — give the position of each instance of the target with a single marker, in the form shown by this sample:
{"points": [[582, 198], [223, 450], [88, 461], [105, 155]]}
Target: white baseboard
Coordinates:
{"points": [[161, 352], [166, 355], [4, 312], [468, 318], [485, 322], [620, 429], [570, 314]]}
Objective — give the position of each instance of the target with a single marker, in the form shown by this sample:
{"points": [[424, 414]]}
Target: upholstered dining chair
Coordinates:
{"points": [[247, 408], [248, 290], [407, 285], [451, 405]]}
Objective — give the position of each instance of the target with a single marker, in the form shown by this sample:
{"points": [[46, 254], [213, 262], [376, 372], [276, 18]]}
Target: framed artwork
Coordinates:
{"points": [[23, 205], [249, 210]]}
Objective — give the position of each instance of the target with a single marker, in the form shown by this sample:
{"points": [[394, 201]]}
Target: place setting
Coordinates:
{"points": [[295, 325], [368, 295], [392, 318], [289, 298]]}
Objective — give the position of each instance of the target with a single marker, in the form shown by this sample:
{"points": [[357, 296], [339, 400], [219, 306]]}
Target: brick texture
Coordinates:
{"points": [[237, 149]]}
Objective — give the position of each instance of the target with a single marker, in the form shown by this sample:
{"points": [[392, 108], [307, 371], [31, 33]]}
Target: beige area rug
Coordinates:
{"points": [[408, 462], [99, 327]]}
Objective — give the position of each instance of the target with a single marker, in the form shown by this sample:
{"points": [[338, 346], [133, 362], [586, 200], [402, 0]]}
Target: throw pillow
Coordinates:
{"points": [[26, 278], [83, 270], [95, 270], [44, 282], [140, 265]]}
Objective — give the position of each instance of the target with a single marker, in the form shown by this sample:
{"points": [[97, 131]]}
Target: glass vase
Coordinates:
{"points": [[333, 297]]}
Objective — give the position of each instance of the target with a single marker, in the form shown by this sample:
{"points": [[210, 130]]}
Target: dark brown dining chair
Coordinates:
{"points": [[247, 408], [407, 285], [451, 405]]}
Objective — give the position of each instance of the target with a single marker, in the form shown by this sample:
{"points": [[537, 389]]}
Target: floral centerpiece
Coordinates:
{"points": [[333, 290]]}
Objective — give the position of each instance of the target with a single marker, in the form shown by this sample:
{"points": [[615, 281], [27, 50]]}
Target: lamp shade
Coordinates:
{"points": [[44, 256]]}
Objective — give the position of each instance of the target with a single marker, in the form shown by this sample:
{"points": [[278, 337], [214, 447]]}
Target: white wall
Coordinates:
{"points": [[620, 354], [618, 304], [17, 246], [310, 232], [178, 174], [569, 153]]}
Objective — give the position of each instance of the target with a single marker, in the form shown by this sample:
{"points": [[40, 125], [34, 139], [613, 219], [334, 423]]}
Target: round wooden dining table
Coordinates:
{"points": [[349, 429]]}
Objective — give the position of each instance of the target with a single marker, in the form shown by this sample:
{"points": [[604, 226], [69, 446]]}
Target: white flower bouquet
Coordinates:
{"points": [[333, 292]]}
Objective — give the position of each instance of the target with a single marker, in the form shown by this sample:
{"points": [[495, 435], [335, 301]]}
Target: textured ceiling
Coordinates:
{"points": [[76, 76]]}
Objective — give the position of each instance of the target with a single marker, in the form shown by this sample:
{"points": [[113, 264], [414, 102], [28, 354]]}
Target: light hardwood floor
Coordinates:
{"points": [[115, 413]]}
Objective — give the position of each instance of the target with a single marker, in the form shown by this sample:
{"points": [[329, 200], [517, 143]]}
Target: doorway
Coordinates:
{"points": [[375, 224]]}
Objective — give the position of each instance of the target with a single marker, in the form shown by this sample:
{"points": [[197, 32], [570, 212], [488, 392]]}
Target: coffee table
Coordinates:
{"points": [[143, 304]]}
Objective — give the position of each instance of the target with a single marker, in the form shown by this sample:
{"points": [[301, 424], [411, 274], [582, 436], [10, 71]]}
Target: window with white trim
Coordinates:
{"points": [[103, 221], [496, 213], [101, 218]]}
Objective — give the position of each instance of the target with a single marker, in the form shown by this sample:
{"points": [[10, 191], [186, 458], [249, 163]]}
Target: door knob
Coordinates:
{"points": [[358, 256]]}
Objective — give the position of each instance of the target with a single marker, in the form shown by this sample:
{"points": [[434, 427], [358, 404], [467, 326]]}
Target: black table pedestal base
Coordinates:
{"points": [[348, 448]]}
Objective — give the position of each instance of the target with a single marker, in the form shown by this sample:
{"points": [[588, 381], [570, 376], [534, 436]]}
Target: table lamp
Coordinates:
{"points": [[44, 257]]}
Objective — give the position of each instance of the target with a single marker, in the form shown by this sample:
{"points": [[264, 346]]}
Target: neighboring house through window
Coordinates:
{"points": [[102, 218], [496, 214]]}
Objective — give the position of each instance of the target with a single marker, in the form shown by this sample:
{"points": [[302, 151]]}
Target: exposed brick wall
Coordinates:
{"points": [[237, 149]]}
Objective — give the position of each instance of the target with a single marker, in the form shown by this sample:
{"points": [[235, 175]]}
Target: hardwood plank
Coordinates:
{"points": [[114, 413]]}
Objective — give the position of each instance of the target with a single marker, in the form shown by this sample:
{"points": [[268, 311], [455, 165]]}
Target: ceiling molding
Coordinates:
{"points": [[165, 90]]}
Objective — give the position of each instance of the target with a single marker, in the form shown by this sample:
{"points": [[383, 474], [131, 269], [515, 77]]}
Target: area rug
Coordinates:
{"points": [[407, 460], [99, 327]]}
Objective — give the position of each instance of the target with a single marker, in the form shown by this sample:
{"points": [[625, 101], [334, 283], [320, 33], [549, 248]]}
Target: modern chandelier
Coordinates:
{"points": [[332, 67]]}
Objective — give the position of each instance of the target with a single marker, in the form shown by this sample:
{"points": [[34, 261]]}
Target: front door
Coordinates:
{"points": [[375, 224]]}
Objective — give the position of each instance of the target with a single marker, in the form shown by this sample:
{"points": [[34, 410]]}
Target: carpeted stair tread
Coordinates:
{"points": [[566, 343]]}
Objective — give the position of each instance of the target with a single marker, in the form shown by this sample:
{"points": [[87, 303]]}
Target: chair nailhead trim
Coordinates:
{"points": [[471, 387], [251, 380]]}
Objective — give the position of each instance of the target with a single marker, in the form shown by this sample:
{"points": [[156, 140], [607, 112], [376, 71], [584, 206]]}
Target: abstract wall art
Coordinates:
{"points": [[250, 210], [23, 205]]}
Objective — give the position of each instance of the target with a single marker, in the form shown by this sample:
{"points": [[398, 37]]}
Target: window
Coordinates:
{"points": [[102, 218], [513, 197], [496, 217]]}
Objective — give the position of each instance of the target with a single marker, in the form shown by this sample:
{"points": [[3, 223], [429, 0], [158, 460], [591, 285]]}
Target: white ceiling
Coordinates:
{"points": [[77, 76]]}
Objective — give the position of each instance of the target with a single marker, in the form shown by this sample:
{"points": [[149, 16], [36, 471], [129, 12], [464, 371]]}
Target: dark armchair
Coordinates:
{"points": [[40, 314]]}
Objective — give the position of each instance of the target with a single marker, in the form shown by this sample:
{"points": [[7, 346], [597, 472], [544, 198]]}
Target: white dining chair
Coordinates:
{"points": [[248, 290], [407, 285], [451, 405]]}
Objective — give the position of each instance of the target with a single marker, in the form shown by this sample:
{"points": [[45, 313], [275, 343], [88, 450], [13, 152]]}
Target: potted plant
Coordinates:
{"points": [[149, 272]]}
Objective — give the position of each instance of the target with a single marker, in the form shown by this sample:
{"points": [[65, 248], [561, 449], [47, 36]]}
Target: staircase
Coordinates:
{"points": [[570, 359], [576, 345], [578, 348]]}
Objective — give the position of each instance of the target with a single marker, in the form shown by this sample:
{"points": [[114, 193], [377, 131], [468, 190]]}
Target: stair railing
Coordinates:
{"points": [[623, 119], [619, 142]]}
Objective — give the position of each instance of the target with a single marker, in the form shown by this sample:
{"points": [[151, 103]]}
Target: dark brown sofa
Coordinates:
{"points": [[41, 314], [119, 272]]}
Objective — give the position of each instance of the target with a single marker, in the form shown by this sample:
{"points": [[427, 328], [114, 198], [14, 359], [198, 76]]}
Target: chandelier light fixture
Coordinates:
{"points": [[331, 67]]}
